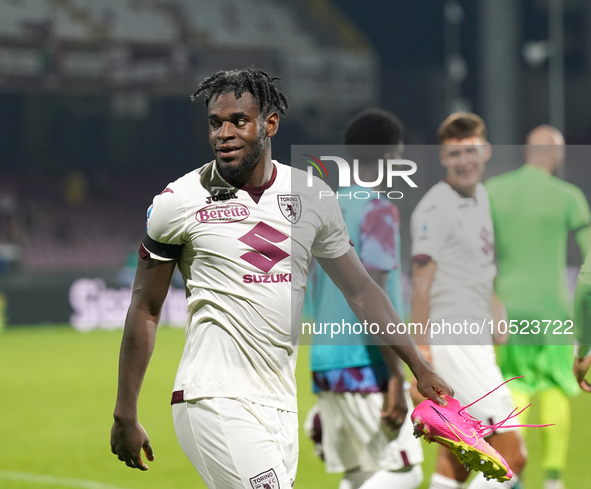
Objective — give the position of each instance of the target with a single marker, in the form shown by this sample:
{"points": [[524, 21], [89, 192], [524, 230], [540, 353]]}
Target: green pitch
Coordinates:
{"points": [[57, 393]]}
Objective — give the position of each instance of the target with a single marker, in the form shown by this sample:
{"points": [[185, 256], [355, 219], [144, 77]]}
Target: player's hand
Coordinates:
{"points": [[433, 387], [127, 441], [395, 407], [580, 368]]}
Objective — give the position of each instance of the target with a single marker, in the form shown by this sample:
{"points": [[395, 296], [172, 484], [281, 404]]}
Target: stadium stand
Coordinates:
{"points": [[96, 232], [131, 50], [245, 24]]}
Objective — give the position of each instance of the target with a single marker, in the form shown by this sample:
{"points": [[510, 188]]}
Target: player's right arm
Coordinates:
{"points": [[159, 253], [128, 437]]}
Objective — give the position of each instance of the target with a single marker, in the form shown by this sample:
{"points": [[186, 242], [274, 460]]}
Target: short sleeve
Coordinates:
{"points": [[165, 226], [378, 243], [332, 239], [427, 231]]}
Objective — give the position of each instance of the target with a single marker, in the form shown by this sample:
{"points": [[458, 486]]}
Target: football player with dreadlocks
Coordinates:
{"points": [[242, 234]]}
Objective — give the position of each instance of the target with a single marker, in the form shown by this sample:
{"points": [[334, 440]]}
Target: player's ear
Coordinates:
{"points": [[271, 124]]}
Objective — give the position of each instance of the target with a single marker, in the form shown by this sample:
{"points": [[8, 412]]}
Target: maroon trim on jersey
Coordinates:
{"points": [[177, 396], [255, 192], [491, 422], [421, 259], [404, 458], [166, 190]]}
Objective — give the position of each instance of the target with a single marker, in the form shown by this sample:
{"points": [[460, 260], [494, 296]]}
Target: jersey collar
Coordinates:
{"points": [[462, 195], [255, 192]]}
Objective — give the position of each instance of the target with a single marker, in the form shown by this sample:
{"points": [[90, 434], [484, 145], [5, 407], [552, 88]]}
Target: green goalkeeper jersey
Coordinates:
{"points": [[532, 213]]}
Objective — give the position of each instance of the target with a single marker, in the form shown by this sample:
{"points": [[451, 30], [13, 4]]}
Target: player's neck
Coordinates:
{"points": [[542, 166], [258, 176], [463, 191]]}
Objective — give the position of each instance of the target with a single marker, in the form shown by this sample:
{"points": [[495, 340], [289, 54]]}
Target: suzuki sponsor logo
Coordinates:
{"points": [[261, 238], [272, 278], [222, 213]]}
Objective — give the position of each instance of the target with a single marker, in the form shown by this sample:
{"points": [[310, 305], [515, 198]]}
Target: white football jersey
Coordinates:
{"points": [[456, 232], [244, 256]]}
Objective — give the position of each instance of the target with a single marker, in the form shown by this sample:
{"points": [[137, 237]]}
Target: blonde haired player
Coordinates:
{"points": [[452, 274]]}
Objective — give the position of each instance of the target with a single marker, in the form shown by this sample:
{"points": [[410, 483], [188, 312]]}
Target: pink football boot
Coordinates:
{"points": [[452, 427]]}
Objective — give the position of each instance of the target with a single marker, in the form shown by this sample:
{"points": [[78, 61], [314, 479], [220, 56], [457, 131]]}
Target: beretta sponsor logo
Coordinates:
{"points": [[226, 212]]}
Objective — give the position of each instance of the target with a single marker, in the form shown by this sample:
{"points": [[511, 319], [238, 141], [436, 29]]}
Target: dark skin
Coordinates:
{"points": [[151, 284], [235, 125]]}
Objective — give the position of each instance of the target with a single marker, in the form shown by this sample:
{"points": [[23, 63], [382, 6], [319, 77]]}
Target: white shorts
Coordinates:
{"points": [[472, 371], [353, 435], [237, 444]]}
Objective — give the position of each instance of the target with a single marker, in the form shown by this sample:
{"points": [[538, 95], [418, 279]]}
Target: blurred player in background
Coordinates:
{"points": [[363, 404], [244, 259], [582, 318], [533, 212], [452, 276]]}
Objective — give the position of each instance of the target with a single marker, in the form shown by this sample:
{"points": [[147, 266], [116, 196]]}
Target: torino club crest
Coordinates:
{"points": [[290, 206], [266, 480]]}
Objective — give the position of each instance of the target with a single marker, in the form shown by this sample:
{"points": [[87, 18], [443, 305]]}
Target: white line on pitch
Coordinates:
{"points": [[53, 480]]}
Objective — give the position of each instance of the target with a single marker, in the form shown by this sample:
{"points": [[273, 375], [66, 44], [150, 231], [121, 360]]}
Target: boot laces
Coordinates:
{"points": [[485, 430]]}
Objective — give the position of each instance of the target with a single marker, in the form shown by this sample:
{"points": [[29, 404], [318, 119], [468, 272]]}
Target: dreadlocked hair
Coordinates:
{"points": [[258, 83]]}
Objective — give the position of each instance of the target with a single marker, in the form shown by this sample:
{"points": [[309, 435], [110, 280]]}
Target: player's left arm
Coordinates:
{"points": [[370, 303]]}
